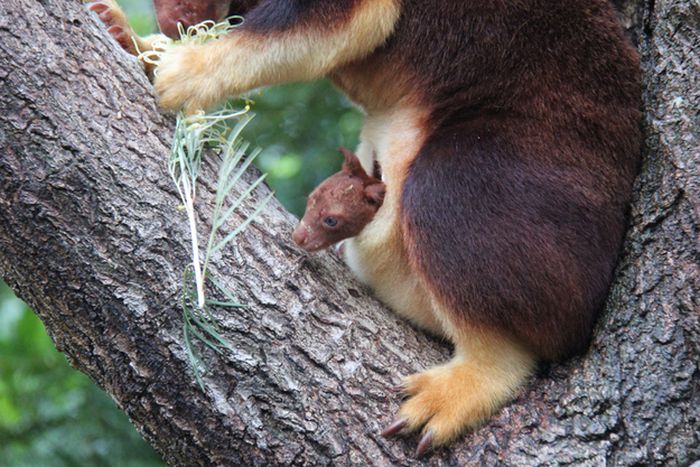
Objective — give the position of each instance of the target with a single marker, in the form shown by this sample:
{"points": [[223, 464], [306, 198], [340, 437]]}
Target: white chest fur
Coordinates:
{"points": [[378, 256]]}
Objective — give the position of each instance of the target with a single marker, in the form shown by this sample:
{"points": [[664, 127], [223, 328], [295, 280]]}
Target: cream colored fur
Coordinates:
{"points": [[197, 77], [377, 256], [487, 367]]}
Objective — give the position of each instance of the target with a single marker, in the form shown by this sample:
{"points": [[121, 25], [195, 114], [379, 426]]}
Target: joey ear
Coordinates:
{"points": [[352, 165], [375, 193]]}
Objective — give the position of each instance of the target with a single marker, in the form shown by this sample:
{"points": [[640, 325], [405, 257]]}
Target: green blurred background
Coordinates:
{"points": [[52, 415]]}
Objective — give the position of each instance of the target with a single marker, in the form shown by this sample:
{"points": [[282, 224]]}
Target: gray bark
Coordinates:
{"points": [[91, 238]]}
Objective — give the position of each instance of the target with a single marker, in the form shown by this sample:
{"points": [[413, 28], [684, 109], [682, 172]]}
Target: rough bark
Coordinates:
{"points": [[91, 238]]}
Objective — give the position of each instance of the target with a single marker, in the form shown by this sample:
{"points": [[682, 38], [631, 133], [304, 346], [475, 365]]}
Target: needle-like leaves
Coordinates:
{"points": [[197, 136]]}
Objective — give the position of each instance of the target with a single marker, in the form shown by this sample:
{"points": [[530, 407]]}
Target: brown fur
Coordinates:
{"points": [[340, 207], [508, 136]]}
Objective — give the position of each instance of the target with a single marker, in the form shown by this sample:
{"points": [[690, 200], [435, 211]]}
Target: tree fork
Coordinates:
{"points": [[91, 238]]}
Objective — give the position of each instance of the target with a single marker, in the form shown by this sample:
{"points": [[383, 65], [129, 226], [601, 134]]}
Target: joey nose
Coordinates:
{"points": [[299, 235]]}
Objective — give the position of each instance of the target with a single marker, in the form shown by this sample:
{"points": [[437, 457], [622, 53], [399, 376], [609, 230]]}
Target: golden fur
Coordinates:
{"points": [[485, 372], [197, 77], [493, 233], [487, 367], [378, 256]]}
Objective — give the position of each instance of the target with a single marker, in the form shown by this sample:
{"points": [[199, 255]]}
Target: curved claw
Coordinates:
{"points": [[425, 443], [115, 30], [395, 427], [98, 7], [104, 12], [123, 38], [107, 16], [113, 18]]}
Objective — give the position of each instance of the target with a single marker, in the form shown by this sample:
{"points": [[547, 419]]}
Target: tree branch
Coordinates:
{"points": [[91, 238]]}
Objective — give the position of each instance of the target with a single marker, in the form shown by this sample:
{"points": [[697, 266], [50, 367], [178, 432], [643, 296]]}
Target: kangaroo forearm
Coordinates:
{"points": [[270, 49]]}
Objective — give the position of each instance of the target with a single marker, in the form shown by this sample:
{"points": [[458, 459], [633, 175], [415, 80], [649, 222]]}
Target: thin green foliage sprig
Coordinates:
{"points": [[199, 324], [216, 135], [195, 137]]}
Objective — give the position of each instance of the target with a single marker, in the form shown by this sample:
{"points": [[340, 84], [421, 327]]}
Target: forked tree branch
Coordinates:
{"points": [[91, 238]]}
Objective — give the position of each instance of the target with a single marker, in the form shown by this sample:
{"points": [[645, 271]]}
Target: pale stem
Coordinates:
{"points": [[189, 207]]}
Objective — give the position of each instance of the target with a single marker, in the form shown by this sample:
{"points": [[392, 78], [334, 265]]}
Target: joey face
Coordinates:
{"points": [[340, 207], [191, 12]]}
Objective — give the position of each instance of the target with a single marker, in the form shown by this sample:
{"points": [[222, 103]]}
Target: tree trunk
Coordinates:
{"points": [[91, 238]]}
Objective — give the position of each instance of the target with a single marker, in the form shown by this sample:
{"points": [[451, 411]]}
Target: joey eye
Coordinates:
{"points": [[330, 221]]}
